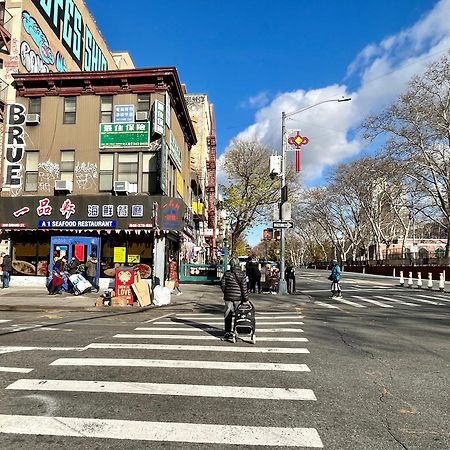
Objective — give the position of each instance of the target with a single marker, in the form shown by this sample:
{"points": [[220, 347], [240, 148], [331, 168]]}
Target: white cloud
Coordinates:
{"points": [[384, 69], [257, 101]]}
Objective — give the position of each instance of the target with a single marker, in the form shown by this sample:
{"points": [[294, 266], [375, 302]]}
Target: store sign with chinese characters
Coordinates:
{"points": [[91, 212], [123, 135]]}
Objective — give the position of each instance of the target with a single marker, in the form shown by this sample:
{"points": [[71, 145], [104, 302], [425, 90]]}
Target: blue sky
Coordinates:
{"points": [[257, 58]]}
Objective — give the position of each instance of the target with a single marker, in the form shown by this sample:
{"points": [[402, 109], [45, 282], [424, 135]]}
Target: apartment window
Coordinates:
{"points": [[67, 165], [128, 167], [105, 182], [143, 102], [149, 173], [106, 109], [31, 171], [70, 109], [34, 105]]}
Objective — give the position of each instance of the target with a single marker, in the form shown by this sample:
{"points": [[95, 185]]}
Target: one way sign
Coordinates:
{"points": [[283, 224]]}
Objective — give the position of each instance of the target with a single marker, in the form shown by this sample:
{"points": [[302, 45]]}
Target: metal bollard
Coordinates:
{"points": [[402, 280], [419, 280], [430, 280], [410, 280], [441, 282]]}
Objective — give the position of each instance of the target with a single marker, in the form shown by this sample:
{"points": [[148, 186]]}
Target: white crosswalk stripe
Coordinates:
{"points": [[180, 364], [442, 298], [4, 321], [161, 431], [421, 300], [205, 337], [279, 327], [15, 369], [189, 328], [401, 302], [198, 348], [348, 302], [375, 302], [326, 305]]}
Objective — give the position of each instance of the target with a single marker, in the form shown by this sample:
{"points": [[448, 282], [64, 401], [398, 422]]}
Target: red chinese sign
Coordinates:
{"points": [[297, 141]]}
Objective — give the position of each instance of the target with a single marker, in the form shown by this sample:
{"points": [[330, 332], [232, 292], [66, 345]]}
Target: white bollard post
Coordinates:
{"points": [[419, 280], [410, 280], [441, 282], [402, 280], [430, 280], [394, 273]]}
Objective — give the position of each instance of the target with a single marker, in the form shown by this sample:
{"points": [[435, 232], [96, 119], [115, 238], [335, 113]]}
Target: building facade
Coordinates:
{"points": [[203, 180], [97, 154]]}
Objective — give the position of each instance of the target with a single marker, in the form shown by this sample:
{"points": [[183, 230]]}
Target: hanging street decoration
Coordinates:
{"points": [[297, 141]]}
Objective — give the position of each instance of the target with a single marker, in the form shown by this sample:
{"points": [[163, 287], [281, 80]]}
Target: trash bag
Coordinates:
{"points": [[161, 296]]}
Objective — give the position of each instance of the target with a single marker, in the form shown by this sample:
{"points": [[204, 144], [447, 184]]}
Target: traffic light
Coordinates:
{"points": [[277, 235], [268, 234]]}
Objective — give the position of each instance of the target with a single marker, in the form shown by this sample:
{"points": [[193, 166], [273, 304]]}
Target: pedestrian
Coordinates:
{"points": [[57, 281], [91, 270], [289, 275], [248, 272], [173, 275], [234, 288], [73, 266], [255, 278], [6, 268], [335, 277]]}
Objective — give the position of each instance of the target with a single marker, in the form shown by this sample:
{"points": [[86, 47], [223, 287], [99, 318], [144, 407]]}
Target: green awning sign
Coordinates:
{"points": [[120, 135]]}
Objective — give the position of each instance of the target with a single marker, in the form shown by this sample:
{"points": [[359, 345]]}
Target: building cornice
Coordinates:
{"points": [[113, 82]]}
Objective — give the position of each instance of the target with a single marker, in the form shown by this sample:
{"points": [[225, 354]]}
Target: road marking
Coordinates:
{"points": [[217, 317], [348, 302], [198, 348], [4, 321], [326, 305], [275, 313], [184, 390], [160, 431], [206, 337], [375, 302], [213, 322], [181, 364], [11, 349], [157, 318], [395, 300], [52, 329], [190, 328], [15, 370], [430, 296], [444, 299], [421, 300]]}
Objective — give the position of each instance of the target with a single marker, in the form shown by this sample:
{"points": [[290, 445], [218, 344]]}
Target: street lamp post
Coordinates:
{"points": [[282, 287]]}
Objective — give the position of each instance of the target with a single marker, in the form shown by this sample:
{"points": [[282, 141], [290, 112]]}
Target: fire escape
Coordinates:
{"points": [[211, 187], [5, 49]]}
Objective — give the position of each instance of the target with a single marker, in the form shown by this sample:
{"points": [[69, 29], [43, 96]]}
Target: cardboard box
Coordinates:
{"points": [[119, 301], [99, 302]]}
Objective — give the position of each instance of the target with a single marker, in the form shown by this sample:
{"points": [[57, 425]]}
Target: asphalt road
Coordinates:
{"points": [[324, 373]]}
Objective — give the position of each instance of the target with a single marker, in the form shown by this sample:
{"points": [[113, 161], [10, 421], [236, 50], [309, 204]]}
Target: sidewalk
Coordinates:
{"points": [[194, 297]]}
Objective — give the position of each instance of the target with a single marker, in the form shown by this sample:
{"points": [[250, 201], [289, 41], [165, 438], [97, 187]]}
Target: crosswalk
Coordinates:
{"points": [[196, 366], [394, 299]]}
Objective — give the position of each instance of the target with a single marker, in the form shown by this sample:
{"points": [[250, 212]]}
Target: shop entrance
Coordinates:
{"points": [[74, 246]]}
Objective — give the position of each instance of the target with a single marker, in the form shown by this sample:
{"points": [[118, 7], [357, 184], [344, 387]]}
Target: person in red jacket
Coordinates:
{"points": [[173, 274]]}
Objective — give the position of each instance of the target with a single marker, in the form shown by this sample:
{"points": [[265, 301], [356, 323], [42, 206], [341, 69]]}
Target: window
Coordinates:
{"points": [[143, 102], [67, 165], [70, 110], [149, 173], [31, 171], [105, 182], [106, 109], [34, 106], [128, 167]]}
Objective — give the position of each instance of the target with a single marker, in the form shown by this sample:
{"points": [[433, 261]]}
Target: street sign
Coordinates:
{"points": [[283, 224]]}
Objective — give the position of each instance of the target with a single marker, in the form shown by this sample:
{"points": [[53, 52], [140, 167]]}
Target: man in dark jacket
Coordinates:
{"points": [[6, 268], [234, 288]]}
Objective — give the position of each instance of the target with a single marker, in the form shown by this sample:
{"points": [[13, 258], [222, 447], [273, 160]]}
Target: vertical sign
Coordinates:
{"points": [[163, 166], [158, 118], [15, 145], [168, 109]]}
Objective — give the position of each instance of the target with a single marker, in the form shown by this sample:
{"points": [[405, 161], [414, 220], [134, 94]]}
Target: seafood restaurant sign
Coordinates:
{"points": [[92, 212]]}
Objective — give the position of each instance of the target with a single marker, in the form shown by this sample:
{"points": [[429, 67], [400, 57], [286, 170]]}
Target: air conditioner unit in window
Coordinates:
{"points": [[141, 116], [33, 119], [64, 185], [122, 187]]}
